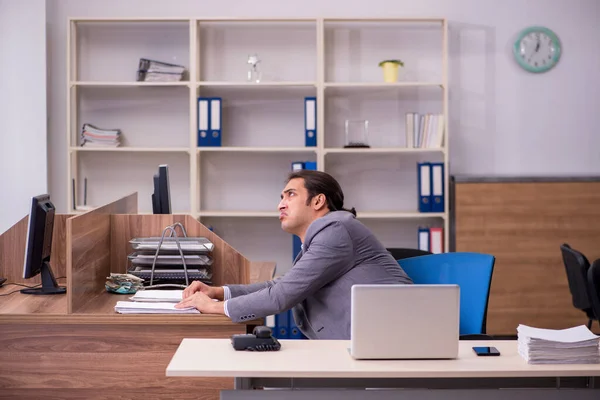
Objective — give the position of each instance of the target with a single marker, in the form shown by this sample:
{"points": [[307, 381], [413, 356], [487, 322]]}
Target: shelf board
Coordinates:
{"points": [[226, 149], [398, 215], [377, 85], [363, 215], [126, 84], [240, 214], [383, 20], [383, 150], [242, 84], [134, 149]]}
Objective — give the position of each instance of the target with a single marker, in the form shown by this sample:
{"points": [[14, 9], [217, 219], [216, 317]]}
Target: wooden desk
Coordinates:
{"points": [[328, 364], [75, 345]]}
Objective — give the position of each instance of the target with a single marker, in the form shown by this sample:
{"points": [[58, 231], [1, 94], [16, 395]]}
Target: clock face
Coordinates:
{"points": [[537, 49]]}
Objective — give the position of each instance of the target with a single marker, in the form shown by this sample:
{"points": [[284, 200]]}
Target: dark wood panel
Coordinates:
{"points": [[77, 359], [127, 227], [120, 319], [89, 256], [229, 266], [36, 306], [523, 224], [12, 251], [261, 271], [232, 266], [88, 237], [109, 393]]}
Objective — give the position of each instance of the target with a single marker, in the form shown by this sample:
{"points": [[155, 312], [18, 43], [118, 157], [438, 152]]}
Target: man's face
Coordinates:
{"points": [[294, 214]]}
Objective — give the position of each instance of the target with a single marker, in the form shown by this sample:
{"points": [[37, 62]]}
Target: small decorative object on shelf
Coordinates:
{"points": [[390, 69], [357, 137], [253, 73]]}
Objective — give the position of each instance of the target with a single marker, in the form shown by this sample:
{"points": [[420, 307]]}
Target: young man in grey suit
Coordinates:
{"points": [[337, 252]]}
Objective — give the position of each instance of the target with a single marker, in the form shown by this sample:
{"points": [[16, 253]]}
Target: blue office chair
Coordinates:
{"points": [[472, 272]]}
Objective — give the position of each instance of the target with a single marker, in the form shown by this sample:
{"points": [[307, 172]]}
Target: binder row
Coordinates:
{"points": [[431, 239], [283, 326], [297, 166], [210, 121], [431, 188]]}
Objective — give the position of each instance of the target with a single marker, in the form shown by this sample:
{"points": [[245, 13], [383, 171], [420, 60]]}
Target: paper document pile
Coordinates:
{"points": [[135, 307], [92, 136], [576, 345], [158, 71], [154, 302]]}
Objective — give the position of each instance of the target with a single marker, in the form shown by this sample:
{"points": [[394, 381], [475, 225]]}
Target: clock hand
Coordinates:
{"points": [[537, 47]]}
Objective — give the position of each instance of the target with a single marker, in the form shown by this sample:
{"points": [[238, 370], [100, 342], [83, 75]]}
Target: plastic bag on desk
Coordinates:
{"points": [[123, 283]]}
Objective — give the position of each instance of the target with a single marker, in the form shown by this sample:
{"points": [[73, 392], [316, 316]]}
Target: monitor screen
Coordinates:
{"points": [[39, 246], [161, 198]]}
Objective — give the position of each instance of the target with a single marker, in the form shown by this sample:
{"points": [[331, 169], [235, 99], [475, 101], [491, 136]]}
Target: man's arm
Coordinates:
{"points": [[240, 290], [329, 256]]}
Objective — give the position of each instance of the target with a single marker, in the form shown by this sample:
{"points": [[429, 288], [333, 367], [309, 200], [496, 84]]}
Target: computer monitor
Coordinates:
{"points": [[161, 198], [39, 246]]}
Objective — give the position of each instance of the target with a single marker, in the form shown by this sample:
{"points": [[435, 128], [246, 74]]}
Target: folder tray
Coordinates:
{"points": [[171, 274], [188, 244], [146, 259]]}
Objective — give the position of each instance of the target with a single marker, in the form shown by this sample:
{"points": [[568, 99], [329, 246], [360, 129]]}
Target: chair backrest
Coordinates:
{"points": [[402, 253], [576, 266], [593, 281], [472, 272]]}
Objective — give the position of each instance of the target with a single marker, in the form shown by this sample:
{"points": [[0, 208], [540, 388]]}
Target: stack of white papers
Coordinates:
{"points": [[576, 345], [154, 302], [136, 307], [169, 296]]}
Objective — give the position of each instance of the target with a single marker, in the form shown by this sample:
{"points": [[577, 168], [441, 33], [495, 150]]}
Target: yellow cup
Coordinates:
{"points": [[390, 72]]}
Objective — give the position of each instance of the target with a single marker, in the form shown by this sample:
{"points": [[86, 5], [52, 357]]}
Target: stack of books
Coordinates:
{"points": [[576, 345], [92, 136], [158, 71]]}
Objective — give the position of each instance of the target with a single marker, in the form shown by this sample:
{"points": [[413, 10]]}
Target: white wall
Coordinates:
{"points": [[504, 121], [23, 133]]}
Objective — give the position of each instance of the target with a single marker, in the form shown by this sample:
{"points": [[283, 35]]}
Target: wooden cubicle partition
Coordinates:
{"points": [[522, 222], [12, 250], [89, 244], [229, 266], [90, 351], [100, 245]]}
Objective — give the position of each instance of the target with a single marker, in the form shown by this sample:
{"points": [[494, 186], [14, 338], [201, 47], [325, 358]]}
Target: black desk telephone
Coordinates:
{"points": [[259, 340]]}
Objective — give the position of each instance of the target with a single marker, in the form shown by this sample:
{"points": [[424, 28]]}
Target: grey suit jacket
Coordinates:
{"points": [[338, 252]]}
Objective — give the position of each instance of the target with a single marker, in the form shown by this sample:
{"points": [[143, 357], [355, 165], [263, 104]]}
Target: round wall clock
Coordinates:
{"points": [[537, 49]]}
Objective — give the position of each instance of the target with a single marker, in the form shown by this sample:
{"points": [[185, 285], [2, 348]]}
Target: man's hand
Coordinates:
{"points": [[202, 303], [199, 287]]}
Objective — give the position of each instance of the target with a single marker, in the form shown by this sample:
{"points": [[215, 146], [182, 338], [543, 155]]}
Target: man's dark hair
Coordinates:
{"points": [[317, 182]]}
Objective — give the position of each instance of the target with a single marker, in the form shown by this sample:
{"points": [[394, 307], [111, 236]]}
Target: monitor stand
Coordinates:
{"points": [[49, 284]]}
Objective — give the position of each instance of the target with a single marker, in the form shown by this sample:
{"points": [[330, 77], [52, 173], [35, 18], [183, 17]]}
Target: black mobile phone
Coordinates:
{"points": [[486, 351]]}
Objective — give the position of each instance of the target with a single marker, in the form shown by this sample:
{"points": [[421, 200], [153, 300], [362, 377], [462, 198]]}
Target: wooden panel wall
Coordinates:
{"points": [[89, 258], [12, 251], [102, 361], [233, 267], [523, 224], [229, 266]]}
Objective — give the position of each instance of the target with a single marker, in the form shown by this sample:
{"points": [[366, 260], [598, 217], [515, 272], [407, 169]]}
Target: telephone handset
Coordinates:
{"points": [[260, 339]]}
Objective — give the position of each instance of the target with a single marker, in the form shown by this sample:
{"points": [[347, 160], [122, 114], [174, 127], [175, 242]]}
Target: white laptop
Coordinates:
{"points": [[405, 321]]}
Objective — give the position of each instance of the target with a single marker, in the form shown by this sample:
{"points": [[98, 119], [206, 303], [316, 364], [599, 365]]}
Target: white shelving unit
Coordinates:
{"points": [[235, 188]]}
